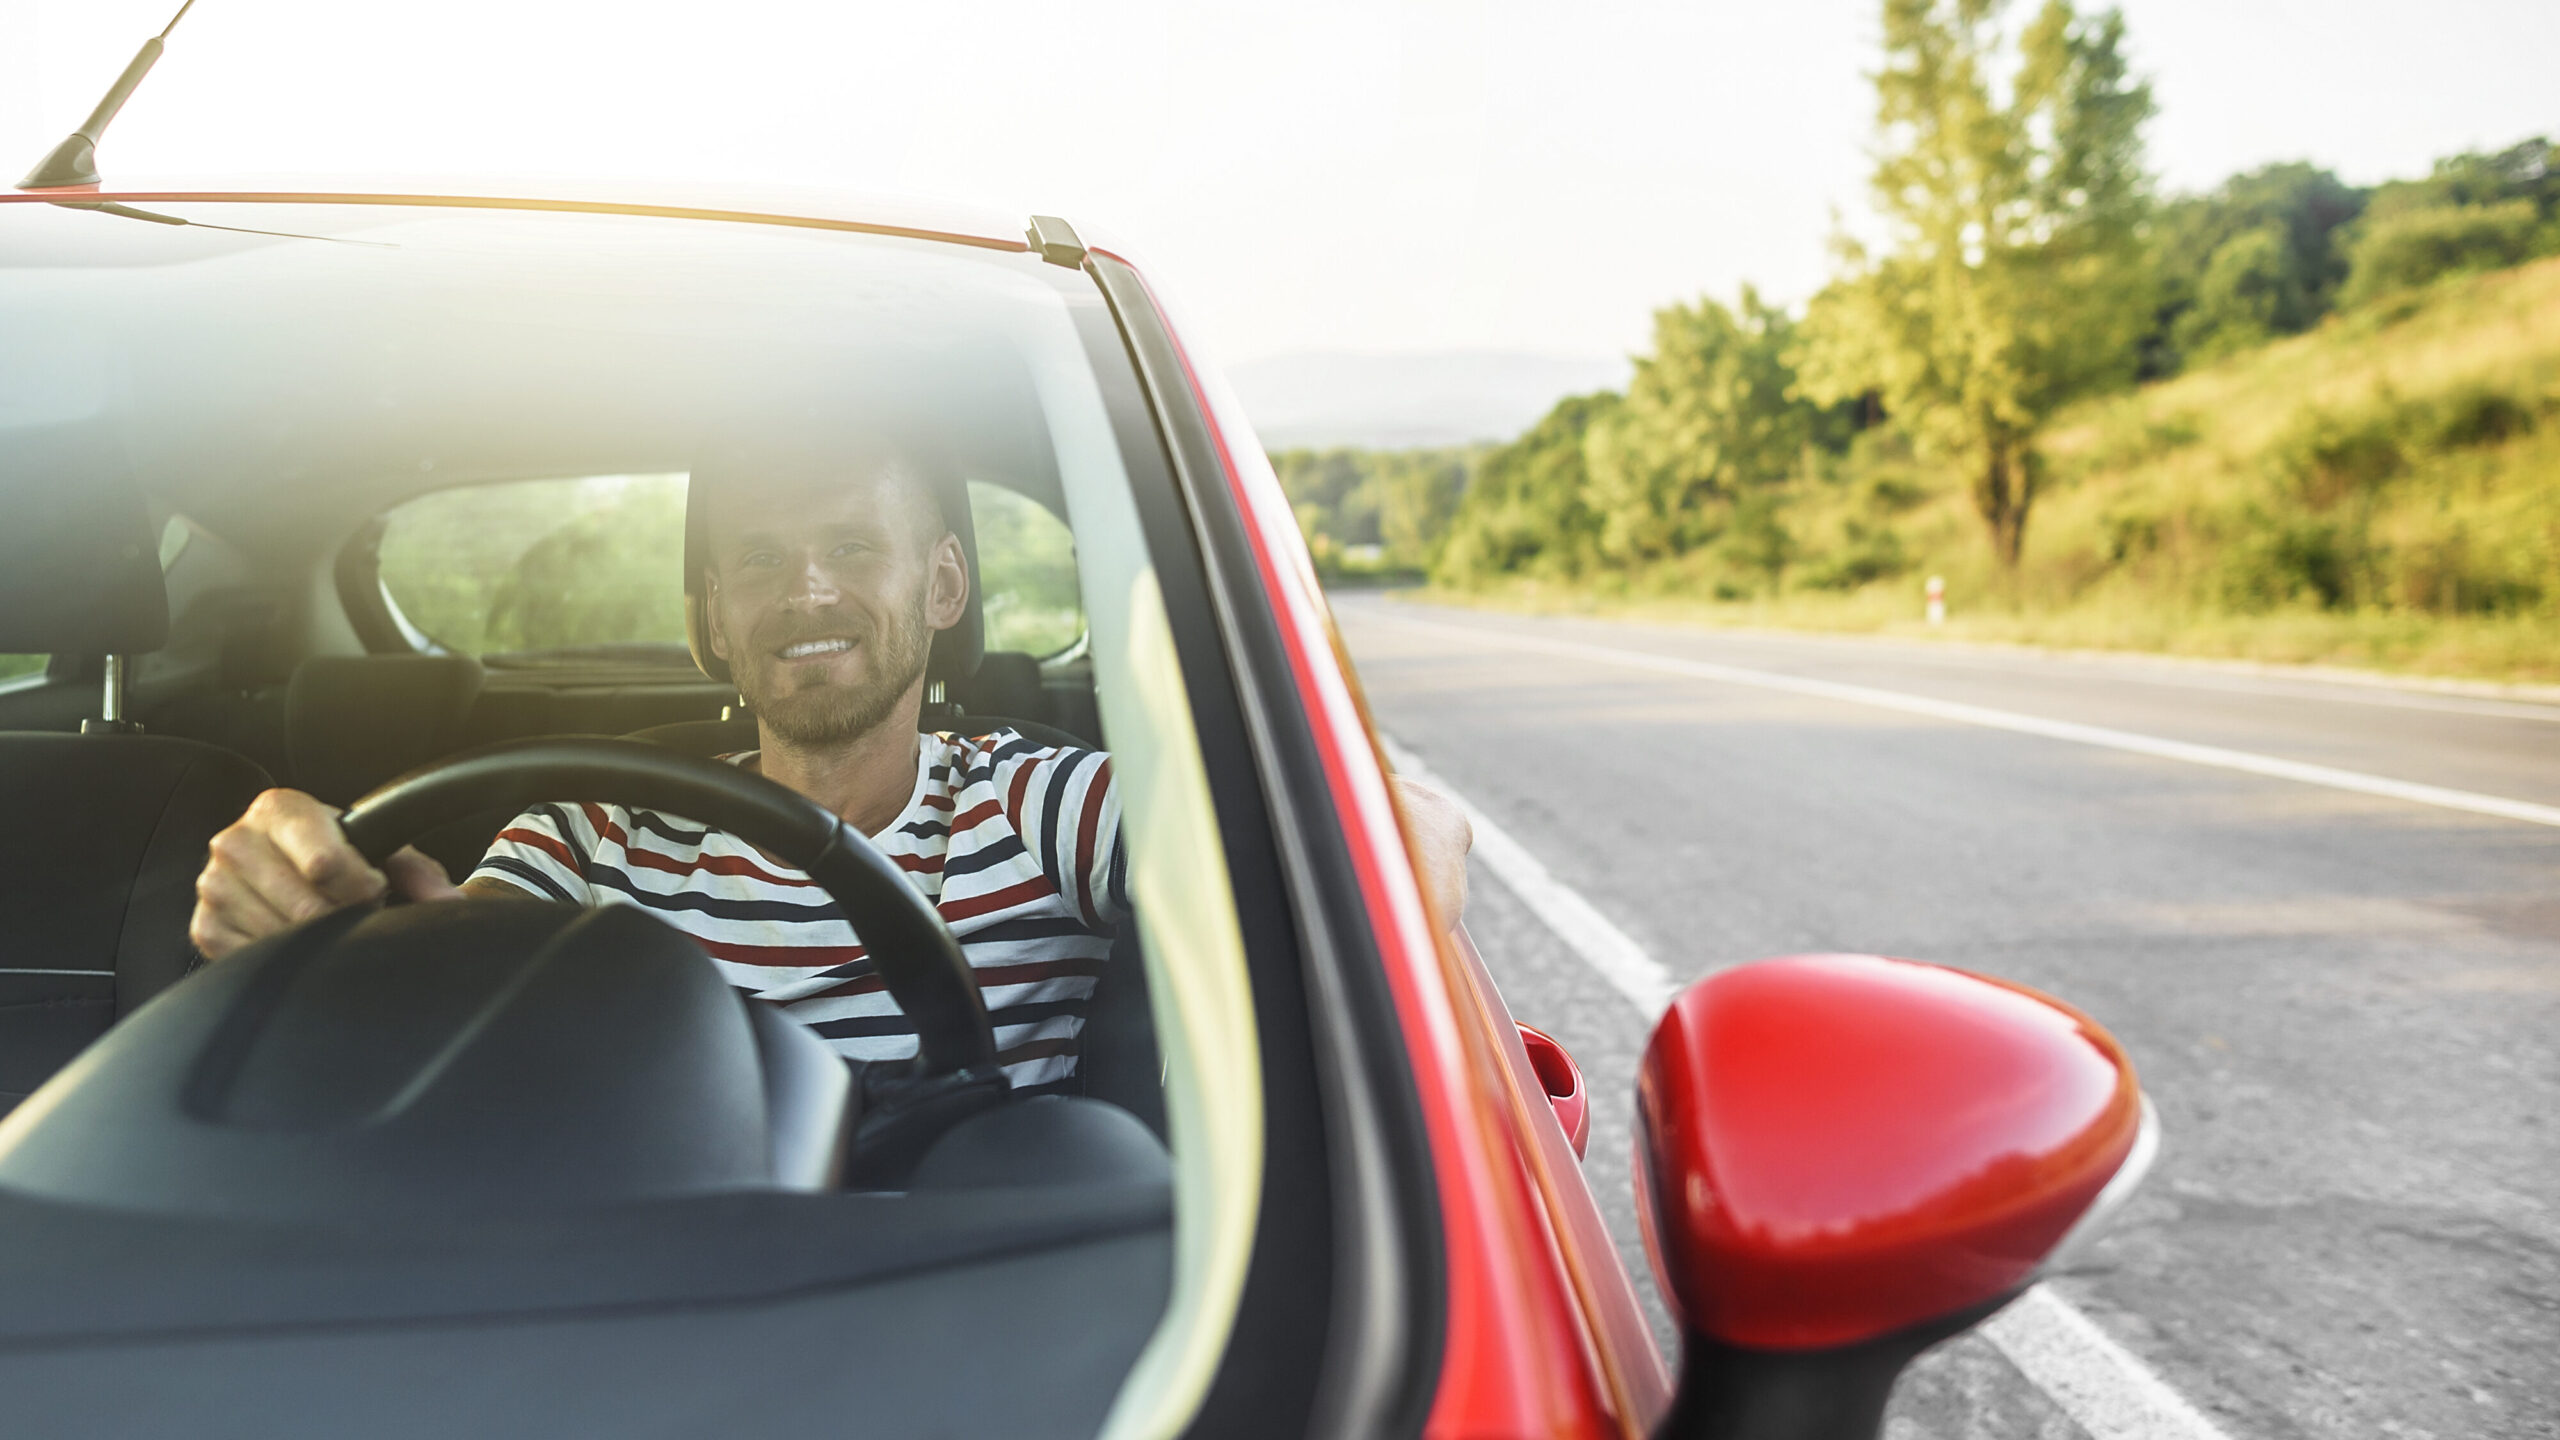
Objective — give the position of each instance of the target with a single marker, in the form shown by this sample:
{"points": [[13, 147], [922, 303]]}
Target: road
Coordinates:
{"points": [[2346, 1005]]}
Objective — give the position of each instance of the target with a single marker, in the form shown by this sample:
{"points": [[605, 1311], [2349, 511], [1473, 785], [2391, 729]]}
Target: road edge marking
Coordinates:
{"points": [[2106, 1389], [2102, 1386], [2211, 756]]}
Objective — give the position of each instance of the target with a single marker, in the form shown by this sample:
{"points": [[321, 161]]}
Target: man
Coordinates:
{"points": [[824, 580]]}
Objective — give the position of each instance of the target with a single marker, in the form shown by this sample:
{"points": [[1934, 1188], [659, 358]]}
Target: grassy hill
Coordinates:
{"points": [[2383, 491]]}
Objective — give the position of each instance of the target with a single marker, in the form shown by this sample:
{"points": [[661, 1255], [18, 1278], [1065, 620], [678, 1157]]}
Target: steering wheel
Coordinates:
{"points": [[909, 945]]}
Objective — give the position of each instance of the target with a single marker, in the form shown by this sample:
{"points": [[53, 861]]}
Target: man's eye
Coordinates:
{"points": [[760, 560], [850, 547]]}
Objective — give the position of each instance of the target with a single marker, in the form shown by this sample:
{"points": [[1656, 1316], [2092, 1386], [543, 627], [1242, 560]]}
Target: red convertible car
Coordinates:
{"points": [[383, 496]]}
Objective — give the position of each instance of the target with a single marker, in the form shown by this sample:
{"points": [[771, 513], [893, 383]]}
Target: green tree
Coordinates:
{"points": [[2251, 292], [1525, 509], [2016, 277], [1710, 415], [1417, 495], [2261, 293], [2471, 212]]}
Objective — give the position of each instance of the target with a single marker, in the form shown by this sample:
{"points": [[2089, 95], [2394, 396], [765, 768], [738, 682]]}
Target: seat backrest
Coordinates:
{"points": [[107, 831], [99, 872], [1007, 683], [354, 721]]}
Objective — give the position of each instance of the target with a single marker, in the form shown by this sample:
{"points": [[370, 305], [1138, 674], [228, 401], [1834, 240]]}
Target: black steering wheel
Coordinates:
{"points": [[909, 945]]}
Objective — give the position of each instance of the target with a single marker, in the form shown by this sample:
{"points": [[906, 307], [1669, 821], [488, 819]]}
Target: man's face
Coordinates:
{"points": [[824, 590]]}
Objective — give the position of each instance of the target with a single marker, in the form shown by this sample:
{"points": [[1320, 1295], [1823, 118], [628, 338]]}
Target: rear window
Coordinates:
{"points": [[542, 565], [592, 565]]}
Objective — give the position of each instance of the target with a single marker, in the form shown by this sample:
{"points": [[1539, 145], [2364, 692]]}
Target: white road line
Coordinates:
{"points": [[2209, 755], [2096, 1381], [2102, 1386]]}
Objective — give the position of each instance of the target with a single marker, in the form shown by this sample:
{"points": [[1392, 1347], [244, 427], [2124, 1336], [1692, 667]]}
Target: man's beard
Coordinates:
{"points": [[820, 715]]}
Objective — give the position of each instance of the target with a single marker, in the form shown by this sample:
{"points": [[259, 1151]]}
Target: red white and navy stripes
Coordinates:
{"points": [[1018, 844]]}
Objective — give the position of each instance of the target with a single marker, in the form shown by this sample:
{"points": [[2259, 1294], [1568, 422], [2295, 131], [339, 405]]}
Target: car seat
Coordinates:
{"points": [[354, 721], [109, 826]]}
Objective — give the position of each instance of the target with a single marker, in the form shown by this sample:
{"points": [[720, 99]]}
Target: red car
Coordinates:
{"points": [[411, 466]]}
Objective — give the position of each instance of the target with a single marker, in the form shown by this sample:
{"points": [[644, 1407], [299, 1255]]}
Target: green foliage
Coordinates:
{"points": [[1528, 509], [1711, 416], [2528, 170], [1027, 571], [1757, 541], [2471, 212], [1375, 511], [2017, 278], [542, 564], [12, 666], [2408, 248], [2258, 294], [2252, 291]]}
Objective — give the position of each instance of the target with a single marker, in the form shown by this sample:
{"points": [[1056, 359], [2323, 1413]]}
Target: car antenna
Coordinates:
{"points": [[74, 162]]}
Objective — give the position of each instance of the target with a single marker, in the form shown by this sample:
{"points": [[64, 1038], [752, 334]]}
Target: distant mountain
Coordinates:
{"points": [[1394, 402]]}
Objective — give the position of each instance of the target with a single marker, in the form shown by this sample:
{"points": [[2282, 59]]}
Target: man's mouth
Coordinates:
{"points": [[804, 649]]}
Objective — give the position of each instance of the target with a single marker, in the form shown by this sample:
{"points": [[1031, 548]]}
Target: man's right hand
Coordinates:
{"points": [[285, 861]]}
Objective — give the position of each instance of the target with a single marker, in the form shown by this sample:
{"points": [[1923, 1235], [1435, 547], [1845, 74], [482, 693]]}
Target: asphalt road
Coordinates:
{"points": [[2345, 1006]]}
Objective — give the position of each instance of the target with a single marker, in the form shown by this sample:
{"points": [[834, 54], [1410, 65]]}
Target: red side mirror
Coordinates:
{"points": [[1846, 1153]]}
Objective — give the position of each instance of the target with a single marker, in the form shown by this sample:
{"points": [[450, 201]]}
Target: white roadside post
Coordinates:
{"points": [[1937, 599]]}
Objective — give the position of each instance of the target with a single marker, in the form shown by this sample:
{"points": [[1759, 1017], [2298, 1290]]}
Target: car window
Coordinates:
{"points": [[15, 667], [534, 567], [1027, 572]]}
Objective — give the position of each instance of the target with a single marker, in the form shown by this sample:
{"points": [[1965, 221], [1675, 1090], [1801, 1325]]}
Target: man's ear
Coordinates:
{"points": [[711, 613], [947, 599]]}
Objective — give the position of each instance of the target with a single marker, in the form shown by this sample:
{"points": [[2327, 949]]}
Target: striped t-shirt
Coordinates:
{"points": [[1017, 843]]}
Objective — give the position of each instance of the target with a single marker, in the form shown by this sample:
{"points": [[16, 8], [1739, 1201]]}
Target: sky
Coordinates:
{"points": [[1390, 177]]}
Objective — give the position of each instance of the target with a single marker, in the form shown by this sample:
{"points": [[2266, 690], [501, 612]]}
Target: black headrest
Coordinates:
{"points": [[354, 721], [79, 565], [955, 652]]}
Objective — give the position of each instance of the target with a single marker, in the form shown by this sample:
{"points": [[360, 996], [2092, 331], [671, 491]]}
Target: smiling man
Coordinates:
{"points": [[824, 578]]}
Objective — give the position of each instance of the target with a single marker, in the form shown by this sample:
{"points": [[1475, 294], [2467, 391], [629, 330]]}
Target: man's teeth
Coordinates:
{"points": [[807, 648]]}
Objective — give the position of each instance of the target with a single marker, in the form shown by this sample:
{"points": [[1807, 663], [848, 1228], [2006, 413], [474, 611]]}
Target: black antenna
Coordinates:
{"points": [[75, 160]]}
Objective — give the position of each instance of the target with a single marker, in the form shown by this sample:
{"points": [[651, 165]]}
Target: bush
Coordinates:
{"points": [[1866, 553], [2472, 415], [2251, 291], [2282, 559], [2407, 249], [2324, 458]]}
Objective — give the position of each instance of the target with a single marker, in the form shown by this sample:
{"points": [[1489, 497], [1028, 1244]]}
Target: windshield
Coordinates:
{"points": [[441, 477]]}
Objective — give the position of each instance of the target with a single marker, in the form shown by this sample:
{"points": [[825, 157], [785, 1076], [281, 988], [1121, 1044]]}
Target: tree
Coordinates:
{"points": [[1525, 509], [2260, 292], [1710, 415], [2251, 292], [2016, 277]]}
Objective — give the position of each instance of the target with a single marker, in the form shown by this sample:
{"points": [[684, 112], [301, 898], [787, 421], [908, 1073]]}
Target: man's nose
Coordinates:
{"points": [[811, 587]]}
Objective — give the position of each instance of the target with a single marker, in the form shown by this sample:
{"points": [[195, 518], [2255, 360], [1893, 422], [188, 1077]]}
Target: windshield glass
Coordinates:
{"points": [[426, 437]]}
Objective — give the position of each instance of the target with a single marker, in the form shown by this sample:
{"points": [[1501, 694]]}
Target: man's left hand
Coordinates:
{"points": [[1440, 837]]}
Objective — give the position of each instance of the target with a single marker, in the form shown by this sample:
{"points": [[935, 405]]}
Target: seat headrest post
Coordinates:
{"points": [[111, 703]]}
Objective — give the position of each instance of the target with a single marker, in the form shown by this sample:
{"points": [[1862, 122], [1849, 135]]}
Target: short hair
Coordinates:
{"points": [[767, 457]]}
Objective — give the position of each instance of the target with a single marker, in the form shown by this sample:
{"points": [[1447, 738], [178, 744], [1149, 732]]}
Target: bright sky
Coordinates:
{"points": [[1390, 176]]}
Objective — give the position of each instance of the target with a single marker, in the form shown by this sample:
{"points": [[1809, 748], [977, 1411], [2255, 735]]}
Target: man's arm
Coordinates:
{"points": [[1439, 837], [285, 861]]}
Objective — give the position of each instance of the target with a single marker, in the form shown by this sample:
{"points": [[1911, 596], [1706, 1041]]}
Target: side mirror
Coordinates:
{"points": [[1847, 1159]]}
